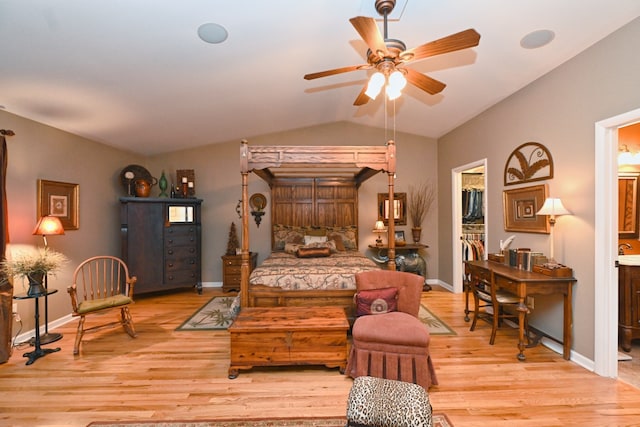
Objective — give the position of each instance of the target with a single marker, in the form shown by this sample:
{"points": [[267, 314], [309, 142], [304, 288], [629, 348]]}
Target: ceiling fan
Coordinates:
{"points": [[388, 56]]}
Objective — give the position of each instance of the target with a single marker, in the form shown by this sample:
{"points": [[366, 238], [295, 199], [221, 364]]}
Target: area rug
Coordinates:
{"points": [[435, 324], [439, 420], [215, 314]]}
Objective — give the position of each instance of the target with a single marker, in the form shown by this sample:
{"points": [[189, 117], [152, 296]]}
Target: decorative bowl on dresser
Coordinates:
{"points": [[161, 242]]}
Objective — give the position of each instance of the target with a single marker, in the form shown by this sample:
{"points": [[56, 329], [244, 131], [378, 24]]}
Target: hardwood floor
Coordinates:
{"points": [[164, 374]]}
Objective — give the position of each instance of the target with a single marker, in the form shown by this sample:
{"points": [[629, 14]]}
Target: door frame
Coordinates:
{"points": [[606, 243], [456, 220]]}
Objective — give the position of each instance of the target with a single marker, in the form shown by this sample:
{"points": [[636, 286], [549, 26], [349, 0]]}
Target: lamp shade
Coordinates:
{"points": [[379, 227], [48, 225], [554, 207]]}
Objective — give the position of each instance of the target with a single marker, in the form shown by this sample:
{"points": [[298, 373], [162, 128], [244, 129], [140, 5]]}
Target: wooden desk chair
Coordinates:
{"points": [[493, 301], [100, 284]]}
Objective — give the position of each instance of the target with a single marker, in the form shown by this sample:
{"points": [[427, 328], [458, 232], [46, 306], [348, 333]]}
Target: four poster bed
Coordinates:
{"points": [[314, 215]]}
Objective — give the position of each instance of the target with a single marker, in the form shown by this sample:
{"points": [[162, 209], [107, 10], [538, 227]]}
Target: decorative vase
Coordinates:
{"points": [[36, 286], [162, 185], [143, 188], [416, 232]]}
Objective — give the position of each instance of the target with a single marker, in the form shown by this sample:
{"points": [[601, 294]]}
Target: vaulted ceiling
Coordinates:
{"points": [[134, 73]]}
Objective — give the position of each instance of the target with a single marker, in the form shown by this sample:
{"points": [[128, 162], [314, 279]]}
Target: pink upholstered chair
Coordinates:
{"points": [[392, 345]]}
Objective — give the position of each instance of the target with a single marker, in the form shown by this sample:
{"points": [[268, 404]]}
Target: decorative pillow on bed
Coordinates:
{"points": [[292, 248], [283, 234], [328, 244], [314, 239], [376, 301], [348, 234], [310, 252], [337, 241], [315, 231]]}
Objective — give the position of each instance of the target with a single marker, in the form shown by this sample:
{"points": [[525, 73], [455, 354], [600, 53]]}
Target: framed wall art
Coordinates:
{"points": [[520, 209], [529, 162], [59, 199], [399, 208]]}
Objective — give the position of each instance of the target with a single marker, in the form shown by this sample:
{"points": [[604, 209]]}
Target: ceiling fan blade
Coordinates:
{"points": [[426, 83], [362, 98], [368, 30], [462, 40], [312, 76]]}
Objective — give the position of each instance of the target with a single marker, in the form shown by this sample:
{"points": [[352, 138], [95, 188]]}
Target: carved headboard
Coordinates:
{"points": [[317, 202]]}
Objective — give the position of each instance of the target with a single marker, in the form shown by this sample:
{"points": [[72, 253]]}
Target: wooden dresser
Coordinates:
{"points": [[161, 242], [231, 270]]}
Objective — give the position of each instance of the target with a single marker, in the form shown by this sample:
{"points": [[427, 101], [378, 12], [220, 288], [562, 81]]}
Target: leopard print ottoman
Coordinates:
{"points": [[378, 402]]}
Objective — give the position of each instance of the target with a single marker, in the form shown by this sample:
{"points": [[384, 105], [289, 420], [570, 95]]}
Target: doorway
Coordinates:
{"points": [[606, 243], [469, 220]]}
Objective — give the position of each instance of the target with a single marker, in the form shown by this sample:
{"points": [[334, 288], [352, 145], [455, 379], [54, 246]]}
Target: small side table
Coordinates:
{"points": [[38, 351], [412, 262]]}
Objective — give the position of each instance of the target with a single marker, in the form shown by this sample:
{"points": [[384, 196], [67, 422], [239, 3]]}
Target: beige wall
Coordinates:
{"points": [[217, 170], [558, 110], [41, 152], [38, 151]]}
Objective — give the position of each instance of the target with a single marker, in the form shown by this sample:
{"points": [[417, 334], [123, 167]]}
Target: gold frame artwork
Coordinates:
{"points": [[628, 205], [59, 199], [400, 210], [520, 209]]}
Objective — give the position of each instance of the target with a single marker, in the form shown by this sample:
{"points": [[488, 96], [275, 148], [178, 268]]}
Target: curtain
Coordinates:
{"points": [[6, 287]]}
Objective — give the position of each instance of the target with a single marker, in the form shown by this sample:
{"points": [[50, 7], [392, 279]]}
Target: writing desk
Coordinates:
{"points": [[524, 283]]}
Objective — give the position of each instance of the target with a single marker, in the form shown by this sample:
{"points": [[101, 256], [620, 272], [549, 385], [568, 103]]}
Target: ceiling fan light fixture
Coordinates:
{"points": [[375, 85], [393, 93], [397, 81]]}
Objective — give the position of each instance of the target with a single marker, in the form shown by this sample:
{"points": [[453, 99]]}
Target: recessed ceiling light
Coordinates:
{"points": [[212, 33], [537, 39]]}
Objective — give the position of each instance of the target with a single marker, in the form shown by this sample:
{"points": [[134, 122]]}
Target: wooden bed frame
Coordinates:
{"points": [[338, 168]]}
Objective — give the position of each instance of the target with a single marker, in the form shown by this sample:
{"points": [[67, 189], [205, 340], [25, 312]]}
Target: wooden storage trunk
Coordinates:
{"points": [[278, 336]]}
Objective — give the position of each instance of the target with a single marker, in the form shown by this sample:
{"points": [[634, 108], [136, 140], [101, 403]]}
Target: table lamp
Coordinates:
{"points": [[552, 207], [48, 225], [379, 229]]}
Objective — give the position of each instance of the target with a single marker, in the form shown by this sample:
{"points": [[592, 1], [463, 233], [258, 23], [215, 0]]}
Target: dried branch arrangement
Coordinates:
{"points": [[421, 198]]}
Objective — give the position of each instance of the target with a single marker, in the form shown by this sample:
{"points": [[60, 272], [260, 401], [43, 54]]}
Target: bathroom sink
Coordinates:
{"points": [[629, 259]]}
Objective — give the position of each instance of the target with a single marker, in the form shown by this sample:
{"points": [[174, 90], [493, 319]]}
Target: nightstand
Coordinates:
{"points": [[231, 270]]}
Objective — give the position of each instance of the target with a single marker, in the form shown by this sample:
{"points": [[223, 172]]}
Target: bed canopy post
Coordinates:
{"points": [[244, 263], [391, 237]]}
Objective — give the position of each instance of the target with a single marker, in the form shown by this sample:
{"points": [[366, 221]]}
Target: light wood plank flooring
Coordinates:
{"points": [[164, 374]]}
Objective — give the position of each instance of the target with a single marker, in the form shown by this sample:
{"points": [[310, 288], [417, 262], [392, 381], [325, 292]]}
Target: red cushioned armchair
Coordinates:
{"points": [[393, 345]]}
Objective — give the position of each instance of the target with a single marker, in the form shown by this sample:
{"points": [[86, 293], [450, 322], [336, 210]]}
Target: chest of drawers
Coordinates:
{"points": [[231, 270], [161, 241]]}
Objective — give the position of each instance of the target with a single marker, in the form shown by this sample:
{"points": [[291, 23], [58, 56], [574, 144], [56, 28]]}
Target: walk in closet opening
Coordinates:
{"points": [[470, 213]]}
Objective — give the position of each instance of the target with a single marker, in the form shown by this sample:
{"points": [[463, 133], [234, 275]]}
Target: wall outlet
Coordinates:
{"points": [[15, 307], [530, 303]]}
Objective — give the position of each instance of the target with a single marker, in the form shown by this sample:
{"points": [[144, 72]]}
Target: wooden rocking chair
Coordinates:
{"points": [[100, 284]]}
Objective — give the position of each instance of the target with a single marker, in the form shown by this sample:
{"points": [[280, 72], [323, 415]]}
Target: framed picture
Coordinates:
{"points": [[59, 199], [399, 236], [399, 208], [520, 208], [627, 205]]}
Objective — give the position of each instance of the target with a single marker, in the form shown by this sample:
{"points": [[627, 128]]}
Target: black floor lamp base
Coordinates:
{"points": [[46, 338]]}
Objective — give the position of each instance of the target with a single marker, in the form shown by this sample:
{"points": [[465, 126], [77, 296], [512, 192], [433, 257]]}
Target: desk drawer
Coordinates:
{"points": [[504, 283], [480, 274]]}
